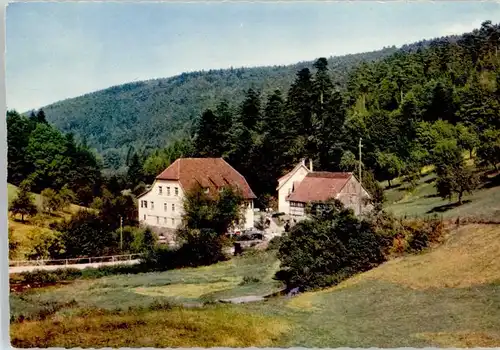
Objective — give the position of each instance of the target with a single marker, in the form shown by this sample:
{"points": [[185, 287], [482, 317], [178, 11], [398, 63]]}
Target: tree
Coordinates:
{"points": [[216, 212], [390, 166], [19, 129], [85, 235], [457, 180], [51, 201], [67, 197], [452, 174], [467, 138], [135, 171], [328, 248], [23, 204], [488, 151]]}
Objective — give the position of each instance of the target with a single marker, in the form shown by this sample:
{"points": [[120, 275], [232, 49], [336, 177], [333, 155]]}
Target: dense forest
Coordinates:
{"points": [[425, 103], [146, 115]]}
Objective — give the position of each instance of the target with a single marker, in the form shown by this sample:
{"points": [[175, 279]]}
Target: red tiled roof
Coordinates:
{"points": [[208, 172], [319, 186]]}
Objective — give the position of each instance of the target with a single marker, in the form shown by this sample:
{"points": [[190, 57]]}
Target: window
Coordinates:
{"points": [[157, 219], [152, 205], [168, 190], [164, 220], [160, 190], [144, 204], [144, 217], [164, 206], [176, 191], [173, 207], [173, 222]]}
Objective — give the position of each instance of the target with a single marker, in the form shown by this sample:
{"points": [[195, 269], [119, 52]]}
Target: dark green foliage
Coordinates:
{"points": [[452, 174], [24, 203], [135, 173], [488, 151], [217, 212], [51, 201], [200, 247], [149, 113], [112, 208], [328, 248], [86, 235], [50, 159]]}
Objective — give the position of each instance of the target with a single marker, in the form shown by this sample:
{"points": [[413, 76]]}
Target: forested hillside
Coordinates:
{"points": [[147, 114], [425, 105]]}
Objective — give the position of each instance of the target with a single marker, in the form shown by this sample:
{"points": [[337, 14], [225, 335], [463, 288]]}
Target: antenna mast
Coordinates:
{"points": [[360, 177]]}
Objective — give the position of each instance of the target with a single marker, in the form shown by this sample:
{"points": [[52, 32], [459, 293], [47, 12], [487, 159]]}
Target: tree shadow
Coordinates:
{"points": [[431, 180], [393, 186], [492, 182], [446, 207]]}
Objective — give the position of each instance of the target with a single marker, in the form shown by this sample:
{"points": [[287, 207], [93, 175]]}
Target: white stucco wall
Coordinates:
{"points": [[286, 189], [249, 215], [162, 214]]}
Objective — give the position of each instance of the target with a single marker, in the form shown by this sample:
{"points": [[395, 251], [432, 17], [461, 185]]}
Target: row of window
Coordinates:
{"points": [[144, 204], [160, 190], [165, 220]]}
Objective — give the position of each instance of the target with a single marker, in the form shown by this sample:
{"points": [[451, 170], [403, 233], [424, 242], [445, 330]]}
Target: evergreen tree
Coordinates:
{"points": [[135, 171]]}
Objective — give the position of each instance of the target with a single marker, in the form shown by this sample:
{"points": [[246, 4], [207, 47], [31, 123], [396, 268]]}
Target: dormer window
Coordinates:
{"points": [[206, 190], [221, 189]]}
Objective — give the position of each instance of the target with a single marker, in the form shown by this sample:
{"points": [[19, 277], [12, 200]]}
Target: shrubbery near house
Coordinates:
{"points": [[334, 244]]}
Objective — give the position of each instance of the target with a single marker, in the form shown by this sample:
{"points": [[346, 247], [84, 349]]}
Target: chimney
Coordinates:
{"points": [[311, 165], [303, 161]]}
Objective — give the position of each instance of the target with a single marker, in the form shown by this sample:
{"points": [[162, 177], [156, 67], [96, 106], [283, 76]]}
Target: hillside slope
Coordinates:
{"points": [[149, 113]]}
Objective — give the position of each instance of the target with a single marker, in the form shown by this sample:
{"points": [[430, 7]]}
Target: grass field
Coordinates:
{"points": [[484, 203], [446, 297], [23, 230]]}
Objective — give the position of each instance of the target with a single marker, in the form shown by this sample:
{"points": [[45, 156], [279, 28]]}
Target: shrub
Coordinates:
{"points": [[274, 243], [327, 248], [249, 280], [200, 247]]}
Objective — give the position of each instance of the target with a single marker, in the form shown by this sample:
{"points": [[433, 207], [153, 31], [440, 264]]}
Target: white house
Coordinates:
{"points": [[162, 205], [288, 182], [302, 186]]}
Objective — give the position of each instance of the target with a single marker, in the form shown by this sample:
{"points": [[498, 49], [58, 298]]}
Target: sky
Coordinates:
{"points": [[56, 50]]}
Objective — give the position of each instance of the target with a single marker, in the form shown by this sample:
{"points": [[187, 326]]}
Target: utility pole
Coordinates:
{"points": [[121, 234], [360, 176]]}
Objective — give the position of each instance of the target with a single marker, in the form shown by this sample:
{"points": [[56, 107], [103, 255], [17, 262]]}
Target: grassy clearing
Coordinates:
{"points": [[178, 327], [22, 231], [187, 285], [423, 201]]}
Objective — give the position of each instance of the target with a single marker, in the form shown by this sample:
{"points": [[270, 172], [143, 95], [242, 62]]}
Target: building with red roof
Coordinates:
{"points": [[302, 186], [162, 205]]}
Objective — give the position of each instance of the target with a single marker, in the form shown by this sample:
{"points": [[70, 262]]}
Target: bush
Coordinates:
{"points": [[398, 236], [274, 243], [200, 247], [329, 247]]}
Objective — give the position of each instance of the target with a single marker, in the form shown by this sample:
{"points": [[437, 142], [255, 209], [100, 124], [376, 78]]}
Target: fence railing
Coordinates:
{"points": [[71, 261]]}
